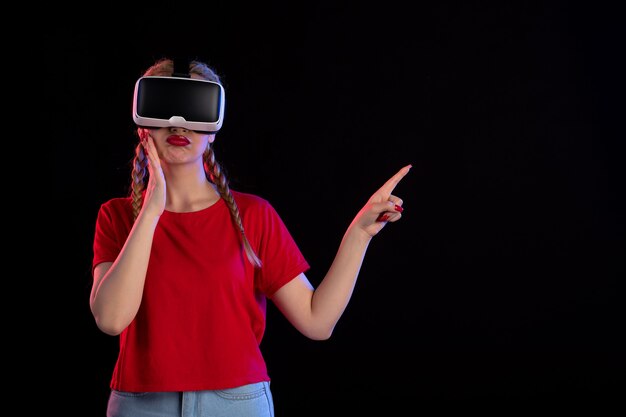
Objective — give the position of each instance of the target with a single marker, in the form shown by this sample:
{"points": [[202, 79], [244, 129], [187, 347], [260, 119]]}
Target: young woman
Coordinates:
{"points": [[182, 270]]}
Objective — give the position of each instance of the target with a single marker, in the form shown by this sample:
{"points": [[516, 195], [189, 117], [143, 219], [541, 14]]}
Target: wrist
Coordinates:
{"points": [[357, 235], [148, 217]]}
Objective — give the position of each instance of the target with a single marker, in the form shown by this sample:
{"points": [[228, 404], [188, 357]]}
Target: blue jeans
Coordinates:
{"points": [[253, 400]]}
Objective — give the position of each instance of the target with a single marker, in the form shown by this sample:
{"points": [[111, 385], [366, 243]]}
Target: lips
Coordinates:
{"points": [[178, 140]]}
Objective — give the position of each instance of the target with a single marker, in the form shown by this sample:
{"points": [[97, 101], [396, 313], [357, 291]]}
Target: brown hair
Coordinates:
{"points": [[212, 169]]}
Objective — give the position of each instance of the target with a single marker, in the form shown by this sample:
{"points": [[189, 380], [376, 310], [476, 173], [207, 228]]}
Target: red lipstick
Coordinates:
{"points": [[178, 140]]}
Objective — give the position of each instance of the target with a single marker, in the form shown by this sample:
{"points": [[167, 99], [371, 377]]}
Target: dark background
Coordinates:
{"points": [[500, 288]]}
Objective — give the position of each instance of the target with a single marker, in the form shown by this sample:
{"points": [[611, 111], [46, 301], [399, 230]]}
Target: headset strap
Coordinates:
{"points": [[181, 68]]}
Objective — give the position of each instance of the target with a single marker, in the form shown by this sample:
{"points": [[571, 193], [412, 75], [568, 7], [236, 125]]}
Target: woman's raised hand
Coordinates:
{"points": [[382, 207]]}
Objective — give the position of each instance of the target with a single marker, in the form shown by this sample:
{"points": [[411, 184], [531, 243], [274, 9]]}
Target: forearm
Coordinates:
{"points": [[117, 296], [334, 292]]}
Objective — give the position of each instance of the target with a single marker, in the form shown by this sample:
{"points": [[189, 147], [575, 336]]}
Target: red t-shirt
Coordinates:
{"points": [[202, 316]]}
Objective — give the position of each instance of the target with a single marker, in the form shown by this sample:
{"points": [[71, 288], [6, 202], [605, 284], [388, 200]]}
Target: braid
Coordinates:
{"points": [[215, 175], [163, 67], [140, 162]]}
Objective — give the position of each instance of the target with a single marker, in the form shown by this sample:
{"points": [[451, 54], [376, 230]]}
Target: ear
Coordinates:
{"points": [[211, 137]]}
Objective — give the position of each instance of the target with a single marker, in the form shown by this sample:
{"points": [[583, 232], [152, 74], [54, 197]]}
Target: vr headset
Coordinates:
{"points": [[191, 103]]}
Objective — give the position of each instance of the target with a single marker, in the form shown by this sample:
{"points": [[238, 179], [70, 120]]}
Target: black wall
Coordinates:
{"points": [[502, 283]]}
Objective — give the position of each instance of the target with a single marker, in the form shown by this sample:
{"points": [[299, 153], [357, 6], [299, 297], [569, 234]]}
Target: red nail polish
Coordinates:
{"points": [[383, 218], [398, 208]]}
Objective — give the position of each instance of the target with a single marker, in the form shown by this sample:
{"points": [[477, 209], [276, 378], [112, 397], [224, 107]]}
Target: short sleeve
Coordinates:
{"points": [[281, 257], [113, 225]]}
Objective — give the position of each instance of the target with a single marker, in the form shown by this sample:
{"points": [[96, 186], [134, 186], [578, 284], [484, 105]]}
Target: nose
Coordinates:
{"points": [[177, 129]]}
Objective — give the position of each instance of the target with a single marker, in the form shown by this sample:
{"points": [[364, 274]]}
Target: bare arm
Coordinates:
{"points": [[118, 286], [315, 312]]}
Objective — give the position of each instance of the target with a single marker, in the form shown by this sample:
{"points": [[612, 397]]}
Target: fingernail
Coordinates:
{"points": [[398, 208], [383, 218]]}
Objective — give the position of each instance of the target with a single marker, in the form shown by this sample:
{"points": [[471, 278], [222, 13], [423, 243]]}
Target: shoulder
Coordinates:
{"points": [[118, 202], [247, 201], [117, 206], [254, 206]]}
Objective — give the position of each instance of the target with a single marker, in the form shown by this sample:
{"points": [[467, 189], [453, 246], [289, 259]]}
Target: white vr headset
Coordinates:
{"points": [[190, 103]]}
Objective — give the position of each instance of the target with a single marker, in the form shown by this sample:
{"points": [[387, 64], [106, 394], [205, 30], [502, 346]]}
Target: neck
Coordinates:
{"points": [[188, 189]]}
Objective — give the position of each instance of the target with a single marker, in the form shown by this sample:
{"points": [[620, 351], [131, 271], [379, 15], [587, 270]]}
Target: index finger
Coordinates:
{"points": [[391, 183]]}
